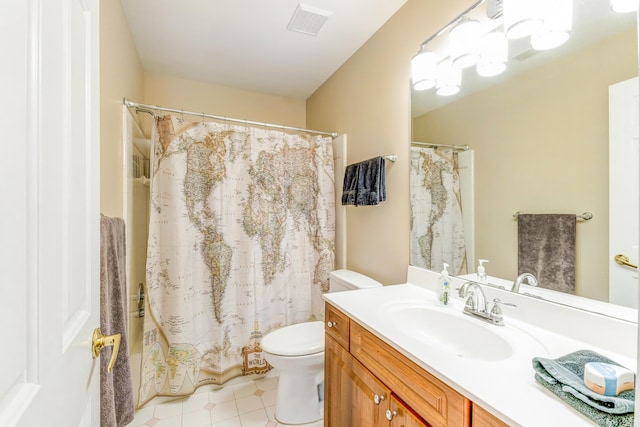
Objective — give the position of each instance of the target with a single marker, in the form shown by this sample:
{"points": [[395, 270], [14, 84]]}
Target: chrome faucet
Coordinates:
{"points": [[530, 278], [476, 304]]}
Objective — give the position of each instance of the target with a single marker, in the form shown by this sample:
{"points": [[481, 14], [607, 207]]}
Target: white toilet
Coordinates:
{"points": [[297, 352]]}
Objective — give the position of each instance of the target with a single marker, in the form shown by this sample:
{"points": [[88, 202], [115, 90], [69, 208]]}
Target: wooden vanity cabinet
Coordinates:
{"points": [[354, 397], [402, 416], [368, 383], [337, 325], [482, 418]]}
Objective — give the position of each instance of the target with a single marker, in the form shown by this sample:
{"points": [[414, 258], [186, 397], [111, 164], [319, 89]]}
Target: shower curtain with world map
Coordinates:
{"points": [[436, 227], [241, 242]]}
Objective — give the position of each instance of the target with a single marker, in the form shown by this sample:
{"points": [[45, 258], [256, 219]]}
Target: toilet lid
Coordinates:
{"points": [[295, 340]]}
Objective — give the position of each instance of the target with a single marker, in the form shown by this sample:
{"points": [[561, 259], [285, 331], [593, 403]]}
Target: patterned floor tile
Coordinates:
{"points": [[241, 402]]}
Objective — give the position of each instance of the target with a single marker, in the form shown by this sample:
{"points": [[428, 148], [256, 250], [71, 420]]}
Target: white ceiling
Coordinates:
{"points": [[245, 44]]}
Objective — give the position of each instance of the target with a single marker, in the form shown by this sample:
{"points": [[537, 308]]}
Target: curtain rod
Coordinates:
{"points": [[430, 145], [129, 103]]}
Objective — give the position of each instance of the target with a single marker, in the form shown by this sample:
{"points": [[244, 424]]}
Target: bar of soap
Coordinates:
{"points": [[607, 379]]}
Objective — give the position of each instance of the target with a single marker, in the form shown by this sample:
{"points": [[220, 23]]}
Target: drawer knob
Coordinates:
{"points": [[390, 414], [377, 398], [331, 324]]}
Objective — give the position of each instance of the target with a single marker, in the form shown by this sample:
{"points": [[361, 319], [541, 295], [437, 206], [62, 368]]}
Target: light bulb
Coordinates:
{"points": [[424, 69], [624, 6], [493, 54], [449, 78], [463, 41], [521, 17], [556, 27]]}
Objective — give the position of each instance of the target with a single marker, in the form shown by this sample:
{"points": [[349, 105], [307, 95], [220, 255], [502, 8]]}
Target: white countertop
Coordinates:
{"points": [[505, 387]]}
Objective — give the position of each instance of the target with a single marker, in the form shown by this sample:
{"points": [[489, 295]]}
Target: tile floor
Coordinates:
{"points": [[243, 402]]}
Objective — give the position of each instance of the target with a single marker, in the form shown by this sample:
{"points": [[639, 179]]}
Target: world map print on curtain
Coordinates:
{"points": [[436, 227], [241, 242]]}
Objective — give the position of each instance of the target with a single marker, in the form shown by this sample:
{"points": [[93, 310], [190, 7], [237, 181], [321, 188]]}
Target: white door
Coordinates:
{"points": [[623, 191], [49, 215]]}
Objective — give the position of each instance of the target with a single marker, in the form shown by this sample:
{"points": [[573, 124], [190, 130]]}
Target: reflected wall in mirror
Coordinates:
{"points": [[540, 138]]}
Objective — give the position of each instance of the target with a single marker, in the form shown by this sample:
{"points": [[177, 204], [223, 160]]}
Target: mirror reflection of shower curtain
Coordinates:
{"points": [[437, 231], [241, 242]]}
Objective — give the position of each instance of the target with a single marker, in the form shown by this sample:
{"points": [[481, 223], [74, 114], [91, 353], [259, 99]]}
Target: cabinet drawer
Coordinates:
{"points": [[337, 325], [482, 418], [430, 398]]}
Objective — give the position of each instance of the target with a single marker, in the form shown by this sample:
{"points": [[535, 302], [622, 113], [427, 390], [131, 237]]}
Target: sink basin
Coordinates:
{"points": [[448, 330]]}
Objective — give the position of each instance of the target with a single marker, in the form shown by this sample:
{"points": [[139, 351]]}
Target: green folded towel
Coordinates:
{"points": [[564, 377]]}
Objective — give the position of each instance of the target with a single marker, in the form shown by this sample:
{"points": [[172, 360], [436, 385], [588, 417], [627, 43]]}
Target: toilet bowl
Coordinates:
{"points": [[297, 352]]}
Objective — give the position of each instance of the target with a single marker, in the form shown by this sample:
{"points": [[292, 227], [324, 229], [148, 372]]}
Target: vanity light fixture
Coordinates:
{"points": [[424, 69], [624, 6], [463, 42], [556, 27], [494, 48], [522, 17], [449, 78], [484, 42]]}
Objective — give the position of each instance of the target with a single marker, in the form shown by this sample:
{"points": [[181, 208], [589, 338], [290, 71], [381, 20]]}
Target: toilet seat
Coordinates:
{"points": [[295, 340]]}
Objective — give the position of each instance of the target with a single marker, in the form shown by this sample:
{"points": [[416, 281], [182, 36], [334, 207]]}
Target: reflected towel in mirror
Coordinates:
{"points": [[547, 249]]}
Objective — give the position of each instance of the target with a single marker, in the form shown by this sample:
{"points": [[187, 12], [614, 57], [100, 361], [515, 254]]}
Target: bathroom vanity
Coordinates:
{"points": [[394, 357], [391, 390]]}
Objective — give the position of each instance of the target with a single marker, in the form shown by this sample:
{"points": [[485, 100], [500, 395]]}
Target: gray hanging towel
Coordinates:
{"points": [[364, 183], [547, 249], [116, 389]]}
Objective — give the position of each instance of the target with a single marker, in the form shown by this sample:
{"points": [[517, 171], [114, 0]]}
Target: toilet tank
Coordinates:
{"points": [[346, 280]]}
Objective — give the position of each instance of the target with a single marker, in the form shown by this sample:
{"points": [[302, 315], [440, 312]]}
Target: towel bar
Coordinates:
{"points": [[586, 216]]}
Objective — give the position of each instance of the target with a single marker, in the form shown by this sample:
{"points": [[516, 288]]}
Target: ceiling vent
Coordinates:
{"points": [[308, 19]]}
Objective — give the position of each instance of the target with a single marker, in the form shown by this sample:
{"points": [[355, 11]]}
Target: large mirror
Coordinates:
{"points": [[539, 143]]}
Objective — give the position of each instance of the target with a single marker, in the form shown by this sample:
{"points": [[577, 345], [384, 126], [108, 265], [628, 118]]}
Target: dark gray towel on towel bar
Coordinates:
{"points": [[364, 183], [547, 249], [116, 389]]}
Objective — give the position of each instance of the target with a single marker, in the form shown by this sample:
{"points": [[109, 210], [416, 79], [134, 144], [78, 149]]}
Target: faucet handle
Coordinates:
{"points": [[496, 311], [497, 302], [470, 303], [462, 290]]}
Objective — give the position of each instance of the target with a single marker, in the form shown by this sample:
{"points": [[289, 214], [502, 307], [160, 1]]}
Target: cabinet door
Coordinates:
{"points": [[430, 398], [337, 326], [401, 416], [353, 396], [482, 418]]}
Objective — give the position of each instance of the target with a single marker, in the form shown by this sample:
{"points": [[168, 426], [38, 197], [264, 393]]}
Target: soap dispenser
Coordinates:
{"points": [[445, 291], [482, 274]]}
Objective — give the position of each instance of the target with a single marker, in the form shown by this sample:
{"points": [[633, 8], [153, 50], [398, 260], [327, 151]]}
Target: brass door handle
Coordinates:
{"points": [[99, 341], [624, 260]]}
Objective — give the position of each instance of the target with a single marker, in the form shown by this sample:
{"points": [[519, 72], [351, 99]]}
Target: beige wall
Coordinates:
{"points": [[541, 146], [121, 75], [368, 98], [191, 95]]}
